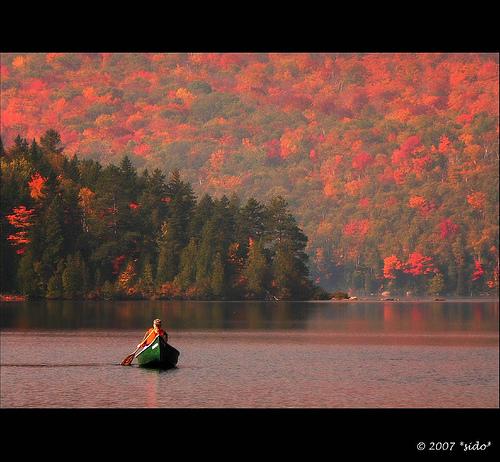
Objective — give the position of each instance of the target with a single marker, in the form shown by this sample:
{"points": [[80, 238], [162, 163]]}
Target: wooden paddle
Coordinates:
{"points": [[128, 360]]}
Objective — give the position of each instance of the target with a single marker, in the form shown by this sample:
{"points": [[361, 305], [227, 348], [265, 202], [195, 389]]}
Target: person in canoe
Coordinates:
{"points": [[148, 338], [152, 332]]}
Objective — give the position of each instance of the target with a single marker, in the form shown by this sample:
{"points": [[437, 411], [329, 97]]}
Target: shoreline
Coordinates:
{"points": [[12, 298]]}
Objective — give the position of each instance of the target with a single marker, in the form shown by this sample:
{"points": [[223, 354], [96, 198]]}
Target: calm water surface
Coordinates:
{"points": [[241, 354]]}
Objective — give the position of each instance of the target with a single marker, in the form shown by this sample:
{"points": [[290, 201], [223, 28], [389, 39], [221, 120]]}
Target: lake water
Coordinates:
{"points": [[364, 354]]}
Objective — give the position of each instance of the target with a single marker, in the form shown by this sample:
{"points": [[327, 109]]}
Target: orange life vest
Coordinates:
{"points": [[151, 335]]}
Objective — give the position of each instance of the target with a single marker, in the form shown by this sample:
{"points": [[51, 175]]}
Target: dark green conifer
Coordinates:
{"points": [[187, 269], [28, 280], [50, 142], [55, 285], [146, 281], [74, 277], [206, 252], [256, 271], [217, 279], [53, 246]]}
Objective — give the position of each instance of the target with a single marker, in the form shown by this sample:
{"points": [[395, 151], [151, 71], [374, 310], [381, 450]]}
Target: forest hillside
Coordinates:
{"points": [[388, 162]]}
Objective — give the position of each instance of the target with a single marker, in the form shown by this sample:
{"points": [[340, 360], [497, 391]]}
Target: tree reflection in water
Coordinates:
{"points": [[353, 317]]}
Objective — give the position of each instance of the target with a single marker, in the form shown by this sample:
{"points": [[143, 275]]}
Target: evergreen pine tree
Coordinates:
{"points": [[70, 168], [168, 259], [217, 283], [55, 286], [153, 208], [256, 270], [225, 218], [436, 284], [89, 171], [147, 280], [174, 233], [128, 183], [72, 278], [203, 211], [182, 202], [20, 148], [2, 150], [187, 269], [284, 272], [251, 220], [54, 237], [287, 244], [108, 290], [459, 255], [249, 225], [84, 272], [50, 142], [35, 155], [206, 252], [28, 280]]}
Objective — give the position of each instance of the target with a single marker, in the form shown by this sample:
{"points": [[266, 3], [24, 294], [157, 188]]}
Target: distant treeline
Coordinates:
{"points": [[75, 229]]}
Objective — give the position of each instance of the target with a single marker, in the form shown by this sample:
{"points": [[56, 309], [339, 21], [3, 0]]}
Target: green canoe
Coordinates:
{"points": [[158, 354]]}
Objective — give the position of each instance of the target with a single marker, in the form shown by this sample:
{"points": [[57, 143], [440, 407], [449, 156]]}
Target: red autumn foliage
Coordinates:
{"points": [[478, 270], [171, 290], [477, 200], [444, 144], [126, 276], [447, 228], [464, 119], [357, 228], [400, 175], [361, 161], [364, 202], [20, 240], [36, 186], [418, 264], [21, 219], [409, 147], [272, 148], [391, 265], [422, 205], [423, 117], [420, 164]]}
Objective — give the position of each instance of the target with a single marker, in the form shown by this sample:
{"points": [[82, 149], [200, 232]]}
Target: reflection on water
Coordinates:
{"points": [[252, 354], [476, 316], [234, 369]]}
